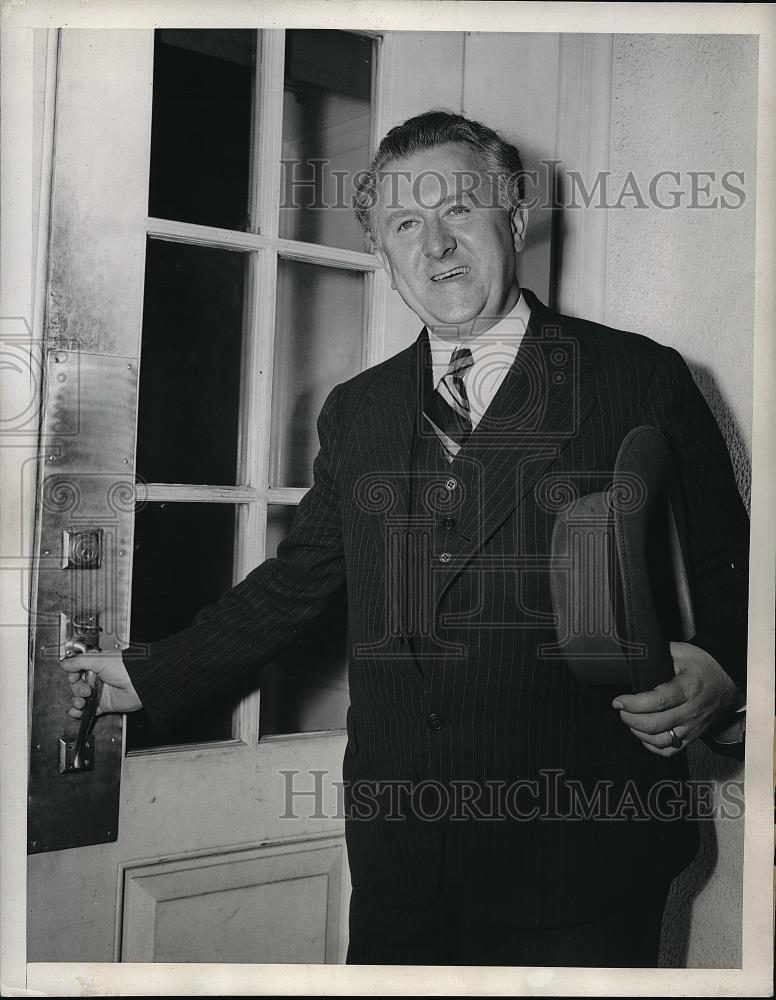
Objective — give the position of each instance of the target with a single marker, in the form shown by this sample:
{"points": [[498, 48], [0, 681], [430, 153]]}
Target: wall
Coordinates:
{"points": [[511, 84], [685, 277]]}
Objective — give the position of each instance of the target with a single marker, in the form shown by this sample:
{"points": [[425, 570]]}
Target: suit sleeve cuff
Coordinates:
{"points": [[146, 671]]}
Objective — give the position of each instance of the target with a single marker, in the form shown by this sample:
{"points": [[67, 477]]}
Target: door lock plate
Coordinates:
{"points": [[67, 762], [81, 549]]}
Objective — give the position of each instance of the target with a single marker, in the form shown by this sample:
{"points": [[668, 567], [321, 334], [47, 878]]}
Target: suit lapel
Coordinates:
{"points": [[538, 410], [388, 425]]}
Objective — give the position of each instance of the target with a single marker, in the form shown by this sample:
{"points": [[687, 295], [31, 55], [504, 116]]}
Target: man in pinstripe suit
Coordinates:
{"points": [[499, 811]]}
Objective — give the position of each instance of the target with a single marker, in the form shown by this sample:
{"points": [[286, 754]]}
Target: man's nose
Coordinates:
{"points": [[439, 240]]}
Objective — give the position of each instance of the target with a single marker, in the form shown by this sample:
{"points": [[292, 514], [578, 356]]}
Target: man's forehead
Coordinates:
{"points": [[446, 161], [431, 178], [448, 154]]}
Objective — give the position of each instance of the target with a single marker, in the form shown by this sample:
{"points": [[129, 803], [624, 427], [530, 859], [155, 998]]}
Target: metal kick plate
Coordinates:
{"points": [[85, 513]]}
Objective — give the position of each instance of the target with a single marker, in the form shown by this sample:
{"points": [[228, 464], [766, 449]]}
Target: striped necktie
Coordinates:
{"points": [[447, 408]]}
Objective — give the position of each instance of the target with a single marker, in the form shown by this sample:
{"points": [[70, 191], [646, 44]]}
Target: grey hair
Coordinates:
{"points": [[498, 158]]}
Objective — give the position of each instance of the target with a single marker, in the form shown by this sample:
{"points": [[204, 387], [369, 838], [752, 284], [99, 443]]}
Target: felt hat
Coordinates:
{"points": [[619, 576]]}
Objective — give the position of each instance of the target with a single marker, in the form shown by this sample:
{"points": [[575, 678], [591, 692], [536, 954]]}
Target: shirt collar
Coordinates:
{"points": [[503, 339]]}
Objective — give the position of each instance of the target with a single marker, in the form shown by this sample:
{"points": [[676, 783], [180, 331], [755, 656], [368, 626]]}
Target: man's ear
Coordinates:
{"points": [[519, 222], [384, 263]]}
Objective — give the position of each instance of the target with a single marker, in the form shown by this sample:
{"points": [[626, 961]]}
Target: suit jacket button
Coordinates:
{"points": [[448, 522], [435, 721], [451, 483], [445, 557]]}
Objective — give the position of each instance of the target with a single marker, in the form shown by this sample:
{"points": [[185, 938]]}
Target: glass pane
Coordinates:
{"points": [[183, 560], [319, 329], [189, 402], [326, 118], [201, 126], [305, 690]]}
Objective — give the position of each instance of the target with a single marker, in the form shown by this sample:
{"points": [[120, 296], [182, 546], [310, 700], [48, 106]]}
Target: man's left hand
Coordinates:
{"points": [[700, 695]]}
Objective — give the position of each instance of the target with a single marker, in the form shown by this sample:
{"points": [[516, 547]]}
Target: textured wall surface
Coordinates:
{"points": [[687, 103], [511, 83], [685, 277]]}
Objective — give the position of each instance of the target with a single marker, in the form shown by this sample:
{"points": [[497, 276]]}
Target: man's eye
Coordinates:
{"points": [[459, 210], [405, 225]]}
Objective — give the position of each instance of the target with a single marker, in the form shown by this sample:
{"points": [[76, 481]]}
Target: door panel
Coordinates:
{"points": [[236, 846], [281, 903]]}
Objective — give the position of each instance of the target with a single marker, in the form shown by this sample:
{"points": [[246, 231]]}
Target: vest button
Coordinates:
{"points": [[445, 557], [448, 522], [435, 721], [451, 484]]}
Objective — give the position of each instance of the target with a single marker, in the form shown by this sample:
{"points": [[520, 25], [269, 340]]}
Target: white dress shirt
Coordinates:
{"points": [[493, 353]]}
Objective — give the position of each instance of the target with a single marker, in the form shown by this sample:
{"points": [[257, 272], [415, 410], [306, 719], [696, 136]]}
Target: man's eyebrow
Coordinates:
{"points": [[397, 213], [400, 212], [455, 196]]}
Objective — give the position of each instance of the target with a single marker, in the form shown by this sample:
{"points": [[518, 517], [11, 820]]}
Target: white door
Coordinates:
{"points": [[180, 247]]}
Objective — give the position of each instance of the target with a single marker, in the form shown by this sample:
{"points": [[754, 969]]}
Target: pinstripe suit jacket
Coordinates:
{"points": [[514, 719]]}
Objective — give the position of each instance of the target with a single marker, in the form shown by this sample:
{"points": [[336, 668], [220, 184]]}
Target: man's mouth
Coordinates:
{"points": [[455, 272]]}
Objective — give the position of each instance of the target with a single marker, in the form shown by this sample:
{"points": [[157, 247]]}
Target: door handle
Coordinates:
{"points": [[76, 637], [83, 759]]}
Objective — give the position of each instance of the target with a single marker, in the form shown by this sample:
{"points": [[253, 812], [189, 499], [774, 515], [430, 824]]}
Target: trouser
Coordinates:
{"points": [[444, 933]]}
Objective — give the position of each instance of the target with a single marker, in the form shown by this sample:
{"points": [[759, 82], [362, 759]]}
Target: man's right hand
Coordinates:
{"points": [[118, 694]]}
